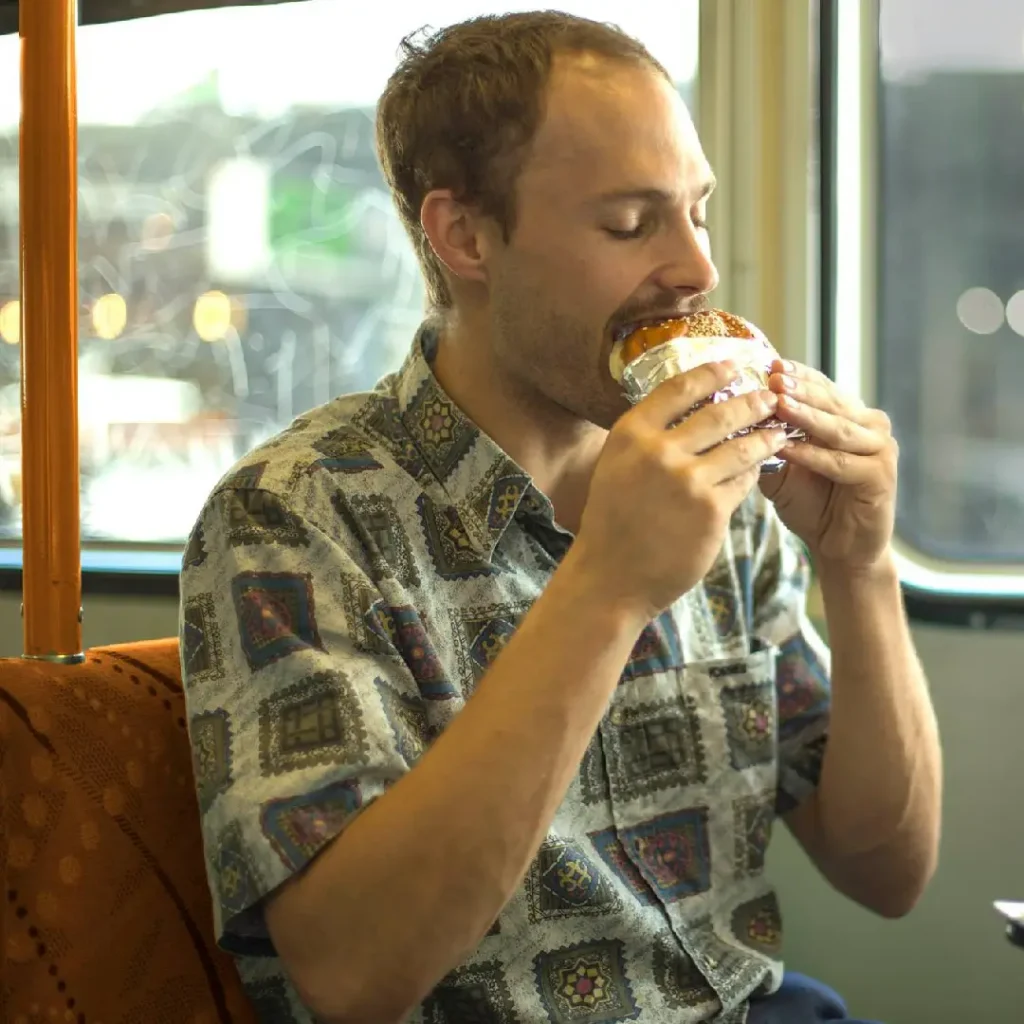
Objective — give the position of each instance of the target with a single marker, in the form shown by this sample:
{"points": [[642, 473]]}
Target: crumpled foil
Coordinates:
{"points": [[754, 356]]}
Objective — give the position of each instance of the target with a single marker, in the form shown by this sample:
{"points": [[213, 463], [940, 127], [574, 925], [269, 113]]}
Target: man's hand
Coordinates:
{"points": [[837, 492], [662, 494], [872, 825]]}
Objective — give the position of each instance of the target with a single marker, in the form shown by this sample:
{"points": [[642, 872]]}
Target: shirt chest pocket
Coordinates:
{"points": [[670, 737], [739, 718]]}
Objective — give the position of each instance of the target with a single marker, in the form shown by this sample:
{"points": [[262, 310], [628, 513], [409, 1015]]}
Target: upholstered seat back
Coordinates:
{"points": [[106, 913]]}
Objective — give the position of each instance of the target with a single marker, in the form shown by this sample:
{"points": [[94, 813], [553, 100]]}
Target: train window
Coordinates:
{"points": [[930, 273], [240, 259]]}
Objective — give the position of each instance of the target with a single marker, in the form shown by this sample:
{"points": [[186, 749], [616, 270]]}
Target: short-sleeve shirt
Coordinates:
{"points": [[345, 589]]}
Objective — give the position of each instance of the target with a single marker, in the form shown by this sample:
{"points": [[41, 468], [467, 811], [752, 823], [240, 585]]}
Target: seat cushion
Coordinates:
{"points": [[106, 915]]}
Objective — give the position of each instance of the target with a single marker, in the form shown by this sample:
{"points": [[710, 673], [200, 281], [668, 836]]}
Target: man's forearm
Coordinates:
{"points": [[408, 891], [878, 802]]}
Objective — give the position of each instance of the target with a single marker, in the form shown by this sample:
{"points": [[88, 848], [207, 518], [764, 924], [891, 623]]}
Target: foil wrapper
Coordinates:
{"points": [[754, 357]]}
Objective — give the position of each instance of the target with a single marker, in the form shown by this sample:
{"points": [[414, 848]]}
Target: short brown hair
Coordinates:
{"points": [[464, 104]]}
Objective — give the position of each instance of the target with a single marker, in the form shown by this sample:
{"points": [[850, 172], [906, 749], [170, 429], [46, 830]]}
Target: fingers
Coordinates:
{"points": [[812, 387], [799, 372], [809, 400], [841, 467], [676, 397], [742, 455], [674, 400], [831, 430], [714, 423]]}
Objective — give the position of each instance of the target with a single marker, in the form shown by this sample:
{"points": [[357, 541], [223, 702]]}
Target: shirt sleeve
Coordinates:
{"points": [[301, 709], [803, 668]]}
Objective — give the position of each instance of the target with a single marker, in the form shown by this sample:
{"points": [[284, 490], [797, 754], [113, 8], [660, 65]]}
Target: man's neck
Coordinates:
{"points": [[557, 449]]}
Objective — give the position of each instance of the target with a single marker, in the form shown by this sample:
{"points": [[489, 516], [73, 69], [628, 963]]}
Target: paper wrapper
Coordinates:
{"points": [[753, 355]]}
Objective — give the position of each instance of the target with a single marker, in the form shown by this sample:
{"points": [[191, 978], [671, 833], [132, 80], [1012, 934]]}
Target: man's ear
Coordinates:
{"points": [[458, 235]]}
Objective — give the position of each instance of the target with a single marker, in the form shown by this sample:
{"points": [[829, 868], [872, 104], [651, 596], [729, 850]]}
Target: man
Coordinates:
{"points": [[497, 685]]}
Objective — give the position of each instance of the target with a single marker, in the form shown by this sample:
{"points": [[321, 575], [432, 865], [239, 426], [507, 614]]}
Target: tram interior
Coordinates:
{"points": [[240, 262]]}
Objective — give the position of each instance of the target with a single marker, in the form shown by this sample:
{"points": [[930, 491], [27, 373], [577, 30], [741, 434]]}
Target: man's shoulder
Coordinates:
{"points": [[330, 482], [345, 443]]}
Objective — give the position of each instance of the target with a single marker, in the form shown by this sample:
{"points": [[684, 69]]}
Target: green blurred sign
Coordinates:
{"points": [[305, 218]]}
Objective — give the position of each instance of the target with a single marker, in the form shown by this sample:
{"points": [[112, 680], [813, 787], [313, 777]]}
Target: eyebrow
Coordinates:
{"points": [[652, 195]]}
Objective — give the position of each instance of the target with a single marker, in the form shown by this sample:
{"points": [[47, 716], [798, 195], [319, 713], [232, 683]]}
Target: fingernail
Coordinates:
{"points": [[789, 382], [788, 364]]}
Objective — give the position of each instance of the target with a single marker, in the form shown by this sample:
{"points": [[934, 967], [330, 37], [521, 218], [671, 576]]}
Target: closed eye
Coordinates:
{"points": [[633, 233], [698, 219]]}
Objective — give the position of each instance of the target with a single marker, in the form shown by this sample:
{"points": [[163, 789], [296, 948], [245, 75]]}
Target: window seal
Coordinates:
{"points": [[109, 584], [109, 571]]}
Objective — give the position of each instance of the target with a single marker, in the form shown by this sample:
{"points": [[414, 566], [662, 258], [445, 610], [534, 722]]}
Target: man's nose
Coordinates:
{"points": [[687, 265]]}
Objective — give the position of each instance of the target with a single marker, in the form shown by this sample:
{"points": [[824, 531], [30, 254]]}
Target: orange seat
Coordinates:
{"points": [[106, 913]]}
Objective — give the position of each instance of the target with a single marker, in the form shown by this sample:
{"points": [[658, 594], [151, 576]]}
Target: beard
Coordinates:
{"points": [[553, 358]]}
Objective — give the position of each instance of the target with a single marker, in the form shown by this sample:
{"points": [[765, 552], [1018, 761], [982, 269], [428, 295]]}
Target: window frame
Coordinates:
{"points": [[757, 85], [150, 570], [121, 567], [935, 590], [98, 12]]}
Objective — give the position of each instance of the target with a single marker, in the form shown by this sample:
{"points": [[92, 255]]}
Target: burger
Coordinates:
{"points": [[646, 354]]}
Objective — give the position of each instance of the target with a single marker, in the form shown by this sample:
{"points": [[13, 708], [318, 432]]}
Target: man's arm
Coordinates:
{"points": [[416, 880], [411, 886], [872, 824]]}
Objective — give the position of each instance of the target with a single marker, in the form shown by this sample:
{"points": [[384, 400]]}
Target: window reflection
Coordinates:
{"points": [[240, 260], [951, 353]]}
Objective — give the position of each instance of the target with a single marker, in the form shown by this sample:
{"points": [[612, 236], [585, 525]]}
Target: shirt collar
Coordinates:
{"points": [[485, 485]]}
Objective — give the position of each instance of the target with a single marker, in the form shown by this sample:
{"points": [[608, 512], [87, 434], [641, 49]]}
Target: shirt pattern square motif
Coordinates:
{"points": [[344, 591]]}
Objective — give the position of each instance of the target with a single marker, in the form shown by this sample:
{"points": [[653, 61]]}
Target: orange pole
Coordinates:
{"points": [[52, 579]]}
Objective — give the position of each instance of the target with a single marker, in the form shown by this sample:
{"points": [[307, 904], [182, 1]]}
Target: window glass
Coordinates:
{"points": [[950, 350], [240, 260]]}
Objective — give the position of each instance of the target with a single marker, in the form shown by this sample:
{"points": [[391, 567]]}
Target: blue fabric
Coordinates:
{"points": [[800, 1000]]}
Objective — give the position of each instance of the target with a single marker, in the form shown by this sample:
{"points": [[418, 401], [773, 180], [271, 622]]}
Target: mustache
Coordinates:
{"points": [[667, 310]]}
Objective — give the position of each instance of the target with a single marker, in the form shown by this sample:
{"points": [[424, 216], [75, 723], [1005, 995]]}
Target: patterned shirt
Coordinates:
{"points": [[345, 589]]}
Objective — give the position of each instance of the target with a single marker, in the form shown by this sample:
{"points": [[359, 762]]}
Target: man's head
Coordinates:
{"points": [[554, 187]]}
